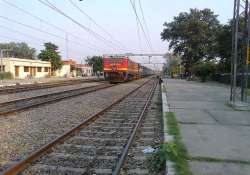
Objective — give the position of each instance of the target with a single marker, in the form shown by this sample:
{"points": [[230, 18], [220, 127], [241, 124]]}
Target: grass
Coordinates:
{"points": [[156, 160], [182, 158], [173, 151]]}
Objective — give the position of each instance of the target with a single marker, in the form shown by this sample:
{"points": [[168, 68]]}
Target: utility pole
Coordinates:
{"points": [[240, 51], [1, 55], [81, 68], [66, 43]]}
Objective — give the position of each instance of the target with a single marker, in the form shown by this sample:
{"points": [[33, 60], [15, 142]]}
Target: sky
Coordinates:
{"points": [[116, 32]]}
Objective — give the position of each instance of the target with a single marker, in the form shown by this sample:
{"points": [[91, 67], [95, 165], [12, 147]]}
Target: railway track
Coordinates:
{"points": [[150, 133], [99, 145], [25, 103], [28, 87]]}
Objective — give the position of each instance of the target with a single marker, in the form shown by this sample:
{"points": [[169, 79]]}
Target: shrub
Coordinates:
{"points": [[157, 160], [5, 75], [203, 70], [192, 78]]}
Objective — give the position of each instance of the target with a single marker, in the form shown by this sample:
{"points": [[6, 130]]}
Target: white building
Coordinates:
{"points": [[24, 68], [84, 70], [68, 69]]}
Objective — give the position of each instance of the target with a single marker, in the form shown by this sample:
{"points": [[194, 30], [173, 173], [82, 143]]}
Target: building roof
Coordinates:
{"points": [[26, 60], [83, 65], [69, 62]]}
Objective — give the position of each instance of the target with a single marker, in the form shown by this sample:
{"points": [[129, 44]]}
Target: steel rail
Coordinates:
{"points": [[23, 164], [28, 87], [25, 103], [124, 154]]}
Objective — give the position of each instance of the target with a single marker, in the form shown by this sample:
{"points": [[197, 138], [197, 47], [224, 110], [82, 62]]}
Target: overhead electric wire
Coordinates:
{"points": [[38, 40], [138, 32], [30, 14], [43, 31], [144, 20], [142, 28], [22, 33], [13, 39], [90, 31], [47, 23], [98, 25]]}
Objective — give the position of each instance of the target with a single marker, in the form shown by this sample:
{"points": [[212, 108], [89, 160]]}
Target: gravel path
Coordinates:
{"points": [[26, 94], [22, 133]]}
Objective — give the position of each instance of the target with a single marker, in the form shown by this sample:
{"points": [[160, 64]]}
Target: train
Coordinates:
{"points": [[122, 69]]}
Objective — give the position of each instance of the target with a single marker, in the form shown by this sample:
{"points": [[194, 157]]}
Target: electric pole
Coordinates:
{"points": [[240, 51], [66, 43]]}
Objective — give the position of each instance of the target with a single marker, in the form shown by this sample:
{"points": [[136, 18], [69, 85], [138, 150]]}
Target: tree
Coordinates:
{"points": [[224, 48], [193, 36], [97, 62], [203, 69], [173, 65], [19, 50], [51, 54], [224, 45]]}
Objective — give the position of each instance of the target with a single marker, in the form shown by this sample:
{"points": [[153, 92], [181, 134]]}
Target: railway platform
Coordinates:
{"points": [[215, 135]]}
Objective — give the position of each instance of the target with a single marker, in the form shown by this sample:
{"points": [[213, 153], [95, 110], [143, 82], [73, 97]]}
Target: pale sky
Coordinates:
{"points": [[115, 16]]}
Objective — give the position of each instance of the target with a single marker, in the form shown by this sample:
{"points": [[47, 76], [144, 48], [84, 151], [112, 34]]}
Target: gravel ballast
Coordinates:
{"points": [[24, 132], [38, 92]]}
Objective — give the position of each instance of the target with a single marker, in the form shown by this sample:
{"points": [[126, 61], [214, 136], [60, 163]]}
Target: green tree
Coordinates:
{"points": [[203, 70], [224, 45], [97, 62], [19, 50], [193, 36], [224, 48], [51, 54], [173, 64]]}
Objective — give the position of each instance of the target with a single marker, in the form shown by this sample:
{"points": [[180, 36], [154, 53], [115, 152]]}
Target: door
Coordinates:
{"points": [[17, 71], [33, 71]]}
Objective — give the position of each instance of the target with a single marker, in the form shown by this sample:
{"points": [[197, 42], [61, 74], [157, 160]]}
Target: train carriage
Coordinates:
{"points": [[120, 69]]}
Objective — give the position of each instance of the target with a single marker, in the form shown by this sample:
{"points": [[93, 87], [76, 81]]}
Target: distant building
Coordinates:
{"points": [[26, 68], [84, 70], [68, 69]]}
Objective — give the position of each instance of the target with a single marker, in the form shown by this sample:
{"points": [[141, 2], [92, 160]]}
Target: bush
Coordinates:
{"points": [[203, 70], [5, 75], [192, 78], [157, 160], [225, 78]]}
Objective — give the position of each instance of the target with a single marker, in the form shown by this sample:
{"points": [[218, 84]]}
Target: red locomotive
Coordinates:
{"points": [[120, 69]]}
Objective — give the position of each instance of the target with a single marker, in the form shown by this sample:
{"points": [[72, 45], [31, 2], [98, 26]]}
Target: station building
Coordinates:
{"points": [[26, 68]]}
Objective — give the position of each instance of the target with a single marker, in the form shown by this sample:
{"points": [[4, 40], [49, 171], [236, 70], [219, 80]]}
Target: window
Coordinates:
{"points": [[39, 69], [3, 68], [26, 69], [46, 69]]}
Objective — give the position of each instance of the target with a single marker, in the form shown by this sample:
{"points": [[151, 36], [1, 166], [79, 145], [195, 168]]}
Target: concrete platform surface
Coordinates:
{"points": [[210, 128], [208, 168]]}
